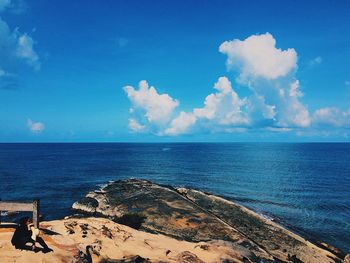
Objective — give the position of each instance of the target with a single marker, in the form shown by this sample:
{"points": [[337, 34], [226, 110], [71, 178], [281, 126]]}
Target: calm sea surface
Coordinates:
{"points": [[306, 186]]}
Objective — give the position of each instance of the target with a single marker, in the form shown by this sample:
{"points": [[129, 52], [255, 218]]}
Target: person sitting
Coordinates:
{"points": [[26, 233]]}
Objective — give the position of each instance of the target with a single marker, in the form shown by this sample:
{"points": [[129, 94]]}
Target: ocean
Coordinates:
{"points": [[304, 186]]}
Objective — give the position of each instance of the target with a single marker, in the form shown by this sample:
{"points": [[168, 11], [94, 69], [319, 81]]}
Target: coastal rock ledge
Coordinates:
{"points": [[195, 216]]}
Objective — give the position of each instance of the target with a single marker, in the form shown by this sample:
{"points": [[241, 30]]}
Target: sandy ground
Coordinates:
{"points": [[109, 240]]}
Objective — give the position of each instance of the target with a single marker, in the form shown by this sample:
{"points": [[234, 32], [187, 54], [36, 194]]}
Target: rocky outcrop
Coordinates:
{"points": [[92, 240], [196, 216]]}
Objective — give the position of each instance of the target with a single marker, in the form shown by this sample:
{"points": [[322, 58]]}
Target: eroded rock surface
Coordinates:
{"points": [[195, 216], [100, 240]]}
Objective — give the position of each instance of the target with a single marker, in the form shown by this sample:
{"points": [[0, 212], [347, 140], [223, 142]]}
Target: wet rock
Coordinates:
{"points": [[86, 204]]}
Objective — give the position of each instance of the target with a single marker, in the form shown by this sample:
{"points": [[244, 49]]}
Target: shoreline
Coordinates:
{"points": [[289, 227], [142, 221], [270, 218], [282, 242]]}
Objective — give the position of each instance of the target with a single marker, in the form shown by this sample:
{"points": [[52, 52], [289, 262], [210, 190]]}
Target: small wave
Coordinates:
{"points": [[166, 149], [101, 186], [268, 217], [258, 201]]}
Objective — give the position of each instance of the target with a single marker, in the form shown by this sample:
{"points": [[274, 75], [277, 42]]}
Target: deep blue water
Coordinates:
{"points": [[306, 186]]}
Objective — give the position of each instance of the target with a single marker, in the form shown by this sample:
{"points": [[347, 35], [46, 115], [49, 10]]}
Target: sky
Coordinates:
{"points": [[174, 71]]}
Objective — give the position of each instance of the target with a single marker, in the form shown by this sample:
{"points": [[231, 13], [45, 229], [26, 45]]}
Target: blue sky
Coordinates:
{"points": [[70, 71]]}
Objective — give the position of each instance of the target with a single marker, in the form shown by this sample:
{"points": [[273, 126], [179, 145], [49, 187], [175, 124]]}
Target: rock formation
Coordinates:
{"points": [[195, 216]]}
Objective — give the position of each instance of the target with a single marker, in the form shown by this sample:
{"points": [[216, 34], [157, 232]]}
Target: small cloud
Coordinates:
{"points": [[135, 126], [25, 51], [8, 80], [35, 127], [347, 83], [13, 6], [332, 116], [236, 130], [278, 129], [315, 61]]}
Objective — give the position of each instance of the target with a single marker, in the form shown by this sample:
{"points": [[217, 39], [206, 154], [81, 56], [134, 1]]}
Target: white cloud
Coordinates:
{"points": [[157, 109], [332, 116], [294, 89], [269, 73], [15, 49], [223, 108], [315, 61], [273, 99], [13, 6], [181, 124], [135, 126], [291, 111], [278, 129], [257, 56], [235, 130], [25, 51], [35, 127]]}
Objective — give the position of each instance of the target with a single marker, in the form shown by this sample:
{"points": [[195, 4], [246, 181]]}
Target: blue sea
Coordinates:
{"points": [[305, 186]]}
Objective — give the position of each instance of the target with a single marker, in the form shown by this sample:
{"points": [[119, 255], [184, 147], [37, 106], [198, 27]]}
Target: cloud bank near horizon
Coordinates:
{"points": [[274, 102]]}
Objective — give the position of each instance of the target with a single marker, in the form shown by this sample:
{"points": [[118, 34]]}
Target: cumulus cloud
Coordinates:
{"points": [[181, 124], [223, 108], [257, 56], [268, 72], [135, 126], [290, 110], [150, 106], [156, 111], [35, 127], [332, 116], [273, 100]]}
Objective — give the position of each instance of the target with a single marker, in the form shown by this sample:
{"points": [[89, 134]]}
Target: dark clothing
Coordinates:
{"points": [[22, 236]]}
